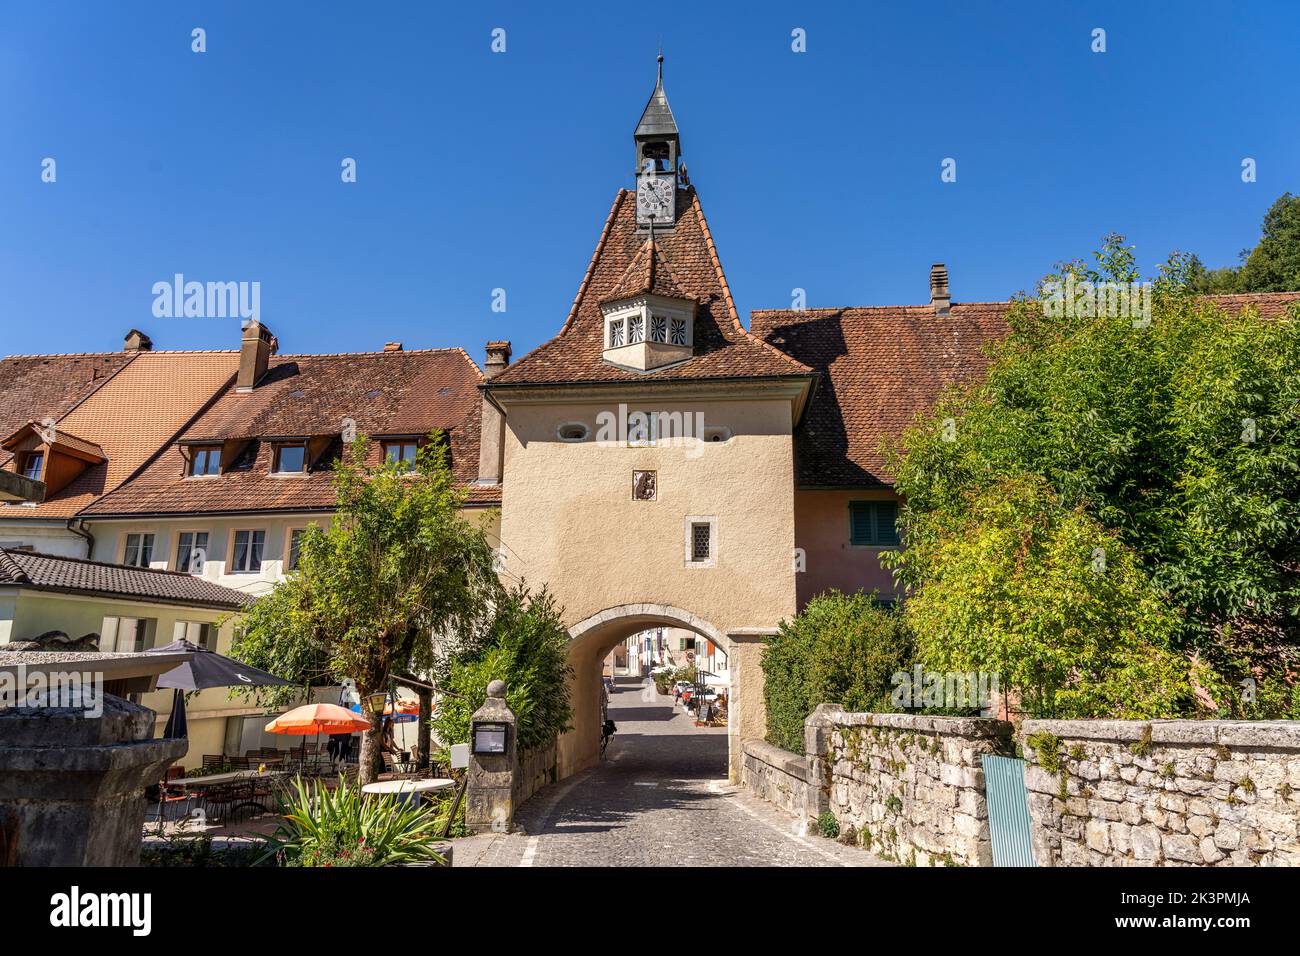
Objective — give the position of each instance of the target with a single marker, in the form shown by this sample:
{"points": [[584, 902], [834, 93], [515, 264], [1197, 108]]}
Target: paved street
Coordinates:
{"points": [[660, 799]]}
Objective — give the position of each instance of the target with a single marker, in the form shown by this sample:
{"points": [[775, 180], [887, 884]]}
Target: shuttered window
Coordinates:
{"points": [[873, 523]]}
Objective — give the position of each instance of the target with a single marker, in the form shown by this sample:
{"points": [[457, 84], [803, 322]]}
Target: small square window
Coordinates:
{"points": [[658, 328], [615, 333], [290, 459], [679, 332], [635, 329]]}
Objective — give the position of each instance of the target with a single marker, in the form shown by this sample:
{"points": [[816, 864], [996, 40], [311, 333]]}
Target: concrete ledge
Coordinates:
{"points": [[774, 756], [1278, 734]]}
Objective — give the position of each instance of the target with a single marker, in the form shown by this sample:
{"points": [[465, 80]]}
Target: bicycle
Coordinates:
{"points": [[607, 731]]}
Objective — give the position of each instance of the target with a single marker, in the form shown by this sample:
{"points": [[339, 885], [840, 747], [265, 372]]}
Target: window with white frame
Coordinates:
{"points": [[294, 551], [126, 634], [615, 333], [246, 555], [658, 328], [701, 541], [138, 552], [191, 551], [200, 633]]}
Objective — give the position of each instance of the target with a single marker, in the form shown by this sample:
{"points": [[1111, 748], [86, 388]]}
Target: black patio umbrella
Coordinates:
{"points": [[206, 669]]}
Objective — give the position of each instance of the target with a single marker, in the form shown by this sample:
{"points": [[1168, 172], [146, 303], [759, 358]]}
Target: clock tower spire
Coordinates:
{"points": [[658, 155]]}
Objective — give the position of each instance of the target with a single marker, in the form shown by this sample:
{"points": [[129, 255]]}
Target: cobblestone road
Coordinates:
{"points": [[661, 798]]}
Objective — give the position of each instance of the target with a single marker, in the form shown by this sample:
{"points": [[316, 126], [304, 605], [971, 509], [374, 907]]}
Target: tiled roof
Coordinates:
{"points": [[385, 393], [723, 348], [46, 572], [881, 367], [130, 417], [37, 387], [66, 439], [649, 271]]}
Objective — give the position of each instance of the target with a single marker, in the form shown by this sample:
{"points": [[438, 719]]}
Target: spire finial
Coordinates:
{"points": [[661, 66]]}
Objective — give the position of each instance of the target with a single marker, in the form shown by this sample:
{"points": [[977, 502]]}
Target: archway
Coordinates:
{"points": [[593, 638]]}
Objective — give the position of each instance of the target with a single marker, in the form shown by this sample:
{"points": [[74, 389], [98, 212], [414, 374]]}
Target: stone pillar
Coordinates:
{"points": [[72, 785], [817, 729], [746, 708], [489, 792]]}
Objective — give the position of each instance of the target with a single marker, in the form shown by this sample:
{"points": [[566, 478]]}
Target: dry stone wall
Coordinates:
{"points": [[777, 776], [907, 787], [1163, 793]]}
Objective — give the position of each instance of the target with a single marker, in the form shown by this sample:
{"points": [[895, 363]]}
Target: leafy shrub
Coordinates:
{"points": [[341, 827], [840, 649], [526, 646], [827, 825]]}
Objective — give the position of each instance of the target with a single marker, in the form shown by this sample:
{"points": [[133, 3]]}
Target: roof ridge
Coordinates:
{"points": [[404, 351]]}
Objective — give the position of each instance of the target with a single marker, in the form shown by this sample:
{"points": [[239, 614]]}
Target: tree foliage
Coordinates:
{"points": [[526, 646], [1271, 266], [840, 649], [1172, 444], [396, 565]]}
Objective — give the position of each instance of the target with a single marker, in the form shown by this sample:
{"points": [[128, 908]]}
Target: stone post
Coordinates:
{"points": [[489, 791], [72, 785], [817, 730], [746, 707]]}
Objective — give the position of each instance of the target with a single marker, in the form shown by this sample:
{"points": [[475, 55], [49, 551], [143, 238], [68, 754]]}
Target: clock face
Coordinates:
{"points": [[654, 197]]}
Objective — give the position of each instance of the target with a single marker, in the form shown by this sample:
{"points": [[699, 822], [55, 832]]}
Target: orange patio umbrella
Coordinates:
{"points": [[317, 719]]}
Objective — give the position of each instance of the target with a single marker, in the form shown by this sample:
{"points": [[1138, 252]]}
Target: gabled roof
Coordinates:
{"points": [[397, 393], [648, 272], [69, 442], [128, 418], [40, 387], [881, 367], [47, 572], [723, 348]]}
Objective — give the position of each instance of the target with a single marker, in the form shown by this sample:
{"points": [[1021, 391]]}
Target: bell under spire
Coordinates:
{"points": [[658, 156]]}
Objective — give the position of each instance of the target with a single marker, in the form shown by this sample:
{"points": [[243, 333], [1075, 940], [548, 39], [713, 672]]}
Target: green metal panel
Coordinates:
{"points": [[1004, 787]]}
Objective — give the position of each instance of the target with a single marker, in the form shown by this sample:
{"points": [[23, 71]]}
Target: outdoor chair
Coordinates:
{"points": [[214, 762]]}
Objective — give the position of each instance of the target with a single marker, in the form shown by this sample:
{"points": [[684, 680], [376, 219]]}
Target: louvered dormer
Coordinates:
{"points": [[649, 320]]}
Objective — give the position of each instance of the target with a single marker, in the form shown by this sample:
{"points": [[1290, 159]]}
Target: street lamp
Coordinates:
{"points": [[375, 703]]}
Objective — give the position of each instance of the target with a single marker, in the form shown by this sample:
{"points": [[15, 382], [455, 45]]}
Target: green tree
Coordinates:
{"points": [[840, 649], [1271, 266], [525, 645], [396, 565], [1179, 436]]}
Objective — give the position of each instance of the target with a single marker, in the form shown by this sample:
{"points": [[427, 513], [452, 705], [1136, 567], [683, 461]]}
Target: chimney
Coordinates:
{"points": [[492, 425], [137, 341], [498, 357], [392, 346], [255, 353], [939, 297]]}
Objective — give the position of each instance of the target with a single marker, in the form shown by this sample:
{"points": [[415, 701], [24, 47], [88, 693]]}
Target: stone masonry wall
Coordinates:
{"points": [[911, 787], [776, 775], [534, 769], [1163, 793]]}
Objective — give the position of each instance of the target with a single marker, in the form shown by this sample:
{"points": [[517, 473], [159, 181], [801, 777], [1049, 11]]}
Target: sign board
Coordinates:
{"points": [[459, 756], [490, 738]]}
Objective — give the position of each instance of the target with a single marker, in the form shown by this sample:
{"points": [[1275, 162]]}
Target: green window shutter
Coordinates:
{"points": [[860, 530], [887, 522]]}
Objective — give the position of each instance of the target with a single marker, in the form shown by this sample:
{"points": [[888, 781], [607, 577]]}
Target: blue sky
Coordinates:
{"points": [[479, 170]]}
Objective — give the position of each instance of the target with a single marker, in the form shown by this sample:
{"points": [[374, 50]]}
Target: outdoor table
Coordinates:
{"points": [[408, 790], [233, 776]]}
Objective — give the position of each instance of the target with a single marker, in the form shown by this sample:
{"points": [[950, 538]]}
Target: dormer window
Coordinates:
{"points": [[658, 328], [615, 333], [205, 461], [401, 452], [290, 459], [636, 328], [679, 335], [33, 465]]}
